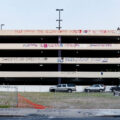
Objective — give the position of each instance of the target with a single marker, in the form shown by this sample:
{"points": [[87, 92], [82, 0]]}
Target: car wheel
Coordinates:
{"points": [[53, 90], [101, 90], [69, 91], [114, 93], [113, 90], [88, 91]]}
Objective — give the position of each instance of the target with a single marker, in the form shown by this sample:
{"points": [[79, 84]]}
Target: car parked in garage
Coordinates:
{"points": [[95, 88], [63, 88], [115, 88]]}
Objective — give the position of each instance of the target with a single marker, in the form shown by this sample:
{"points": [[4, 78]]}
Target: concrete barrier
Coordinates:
{"points": [[38, 88]]}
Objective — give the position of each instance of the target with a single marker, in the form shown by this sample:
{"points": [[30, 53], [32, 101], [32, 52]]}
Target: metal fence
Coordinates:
{"points": [[8, 96]]}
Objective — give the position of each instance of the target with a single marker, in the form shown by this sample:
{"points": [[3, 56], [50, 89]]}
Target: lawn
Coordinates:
{"points": [[75, 100], [64, 100]]}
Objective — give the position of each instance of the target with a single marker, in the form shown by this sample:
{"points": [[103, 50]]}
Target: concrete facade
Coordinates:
{"points": [[58, 59]]}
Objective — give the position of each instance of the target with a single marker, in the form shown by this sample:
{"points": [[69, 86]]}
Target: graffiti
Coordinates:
{"points": [[102, 31], [30, 45], [100, 45], [105, 60], [85, 31], [18, 31], [86, 60], [29, 59], [67, 31], [58, 60], [61, 45], [101, 60], [76, 59], [45, 45]]}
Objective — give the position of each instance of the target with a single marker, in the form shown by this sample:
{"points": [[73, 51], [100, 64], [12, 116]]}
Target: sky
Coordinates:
{"points": [[77, 14]]}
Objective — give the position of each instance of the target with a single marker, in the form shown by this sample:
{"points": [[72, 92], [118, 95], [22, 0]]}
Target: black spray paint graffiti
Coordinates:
{"points": [[101, 60]]}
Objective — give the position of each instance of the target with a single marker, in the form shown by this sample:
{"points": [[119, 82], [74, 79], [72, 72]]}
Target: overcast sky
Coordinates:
{"points": [[78, 14]]}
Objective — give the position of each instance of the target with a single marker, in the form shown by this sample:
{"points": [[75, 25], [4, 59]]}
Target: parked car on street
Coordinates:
{"points": [[116, 88], [63, 88], [95, 88]]}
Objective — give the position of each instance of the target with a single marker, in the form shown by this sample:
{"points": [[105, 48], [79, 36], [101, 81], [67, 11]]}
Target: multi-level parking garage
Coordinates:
{"points": [[49, 57]]}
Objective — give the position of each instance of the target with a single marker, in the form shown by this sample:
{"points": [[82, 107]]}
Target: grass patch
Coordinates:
{"points": [[75, 100], [5, 106]]}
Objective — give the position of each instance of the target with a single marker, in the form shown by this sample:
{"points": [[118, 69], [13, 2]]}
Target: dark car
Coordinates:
{"points": [[116, 88]]}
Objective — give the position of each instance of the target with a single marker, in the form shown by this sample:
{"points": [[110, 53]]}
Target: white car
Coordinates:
{"points": [[95, 88], [63, 88]]}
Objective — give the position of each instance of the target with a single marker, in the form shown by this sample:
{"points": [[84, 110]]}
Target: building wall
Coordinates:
{"points": [[38, 50], [60, 32], [38, 88]]}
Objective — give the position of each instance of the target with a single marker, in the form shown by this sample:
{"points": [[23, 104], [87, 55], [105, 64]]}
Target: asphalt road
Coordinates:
{"points": [[40, 118]]}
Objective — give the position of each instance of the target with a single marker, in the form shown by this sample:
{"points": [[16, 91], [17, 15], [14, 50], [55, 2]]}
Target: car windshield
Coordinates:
{"points": [[71, 85], [95, 85], [58, 85], [63, 85]]}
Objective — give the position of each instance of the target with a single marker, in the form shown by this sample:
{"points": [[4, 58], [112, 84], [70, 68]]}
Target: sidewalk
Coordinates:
{"points": [[75, 113]]}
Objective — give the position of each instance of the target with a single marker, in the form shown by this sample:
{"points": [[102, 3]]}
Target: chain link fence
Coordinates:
{"points": [[8, 96]]}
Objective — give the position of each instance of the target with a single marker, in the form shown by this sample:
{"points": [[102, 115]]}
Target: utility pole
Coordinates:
{"points": [[1, 26], [59, 42]]}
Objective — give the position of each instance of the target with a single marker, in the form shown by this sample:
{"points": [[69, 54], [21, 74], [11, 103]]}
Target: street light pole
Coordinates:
{"points": [[59, 41], [2, 26], [59, 20]]}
